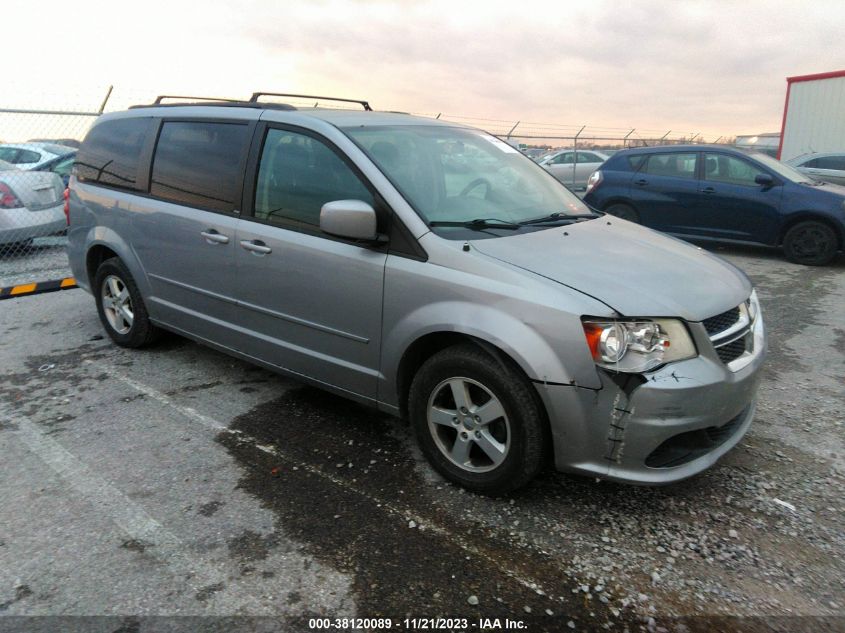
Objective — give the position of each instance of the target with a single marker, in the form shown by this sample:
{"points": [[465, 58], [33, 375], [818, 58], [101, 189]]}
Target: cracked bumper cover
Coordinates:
{"points": [[610, 432]]}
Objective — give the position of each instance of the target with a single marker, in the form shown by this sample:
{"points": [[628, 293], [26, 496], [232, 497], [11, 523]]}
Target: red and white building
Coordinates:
{"points": [[813, 115]]}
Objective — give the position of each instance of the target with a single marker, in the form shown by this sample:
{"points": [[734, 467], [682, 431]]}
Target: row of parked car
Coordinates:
{"points": [[33, 177], [715, 192]]}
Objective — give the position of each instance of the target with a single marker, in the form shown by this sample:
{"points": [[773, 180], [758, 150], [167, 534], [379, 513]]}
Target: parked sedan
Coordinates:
{"points": [[828, 167], [31, 204], [573, 168], [712, 192], [32, 155]]}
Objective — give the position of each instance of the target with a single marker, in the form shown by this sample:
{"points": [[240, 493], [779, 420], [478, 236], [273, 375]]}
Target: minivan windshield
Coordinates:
{"points": [[781, 169], [462, 177]]}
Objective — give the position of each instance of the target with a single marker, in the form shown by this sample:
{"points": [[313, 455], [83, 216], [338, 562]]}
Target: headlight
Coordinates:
{"points": [[637, 346]]}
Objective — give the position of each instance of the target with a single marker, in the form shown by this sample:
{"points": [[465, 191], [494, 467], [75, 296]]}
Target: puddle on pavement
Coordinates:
{"points": [[398, 571]]}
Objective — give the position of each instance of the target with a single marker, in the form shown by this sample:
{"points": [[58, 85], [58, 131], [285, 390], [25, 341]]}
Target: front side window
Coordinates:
{"points": [[198, 164], [567, 158], [730, 170], [457, 175], [675, 165], [297, 175], [111, 152], [9, 154], [587, 157]]}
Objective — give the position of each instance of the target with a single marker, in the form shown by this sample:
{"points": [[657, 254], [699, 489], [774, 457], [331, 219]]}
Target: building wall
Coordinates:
{"points": [[814, 115]]}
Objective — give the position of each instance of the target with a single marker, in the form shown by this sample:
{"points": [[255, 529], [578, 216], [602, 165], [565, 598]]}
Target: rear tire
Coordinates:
{"points": [[811, 243], [623, 212], [120, 306], [497, 442]]}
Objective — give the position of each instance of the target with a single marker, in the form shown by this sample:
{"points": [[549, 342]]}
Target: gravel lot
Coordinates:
{"points": [[177, 481]]}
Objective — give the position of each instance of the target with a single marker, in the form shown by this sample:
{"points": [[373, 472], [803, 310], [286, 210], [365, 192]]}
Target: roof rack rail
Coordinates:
{"points": [[161, 98], [256, 95]]}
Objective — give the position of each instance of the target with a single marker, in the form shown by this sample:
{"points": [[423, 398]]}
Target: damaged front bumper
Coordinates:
{"points": [[659, 427]]}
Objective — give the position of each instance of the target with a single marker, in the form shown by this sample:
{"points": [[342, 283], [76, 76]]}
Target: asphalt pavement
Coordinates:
{"points": [[176, 488]]}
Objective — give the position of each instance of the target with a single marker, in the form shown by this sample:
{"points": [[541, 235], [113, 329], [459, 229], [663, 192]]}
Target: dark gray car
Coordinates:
{"points": [[426, 269]]}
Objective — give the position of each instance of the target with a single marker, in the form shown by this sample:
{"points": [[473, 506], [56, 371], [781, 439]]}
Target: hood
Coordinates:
{"points": [[634, 270]]}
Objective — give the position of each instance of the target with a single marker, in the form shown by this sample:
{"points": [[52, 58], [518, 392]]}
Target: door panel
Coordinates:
{"points": [[190, 268], [184, 234], [307, 302], [665, 192], [311, 305], [733, 206]]}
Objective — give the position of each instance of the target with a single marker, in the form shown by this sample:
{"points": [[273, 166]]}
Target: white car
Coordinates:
{"points": [[573, 167], [31, 155], [828, 167], [31, 204]]}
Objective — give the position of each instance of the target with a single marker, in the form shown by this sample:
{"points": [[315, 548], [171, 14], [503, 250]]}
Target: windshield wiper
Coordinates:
{"points": [[559, 217], [480, 223]]}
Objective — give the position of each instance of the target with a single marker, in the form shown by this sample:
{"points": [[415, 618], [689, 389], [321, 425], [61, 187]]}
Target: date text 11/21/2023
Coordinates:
{"points": [[417, 624]]}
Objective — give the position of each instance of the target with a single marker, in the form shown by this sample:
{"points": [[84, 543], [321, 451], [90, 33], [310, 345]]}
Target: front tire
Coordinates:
{"points": [[811, 243], [477, 420], [120, 306]]}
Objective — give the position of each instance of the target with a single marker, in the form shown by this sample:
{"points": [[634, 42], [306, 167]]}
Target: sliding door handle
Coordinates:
{"points": [[256, 246], [213, 237]]}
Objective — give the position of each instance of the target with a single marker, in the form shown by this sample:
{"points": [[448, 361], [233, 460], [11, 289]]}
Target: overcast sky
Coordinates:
{"points": [[710, 67]]}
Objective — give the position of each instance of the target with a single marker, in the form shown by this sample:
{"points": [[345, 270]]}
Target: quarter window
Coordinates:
{"points": [[676, 165], [198, 164], [111, 152], [730, 170], [297, 175]]}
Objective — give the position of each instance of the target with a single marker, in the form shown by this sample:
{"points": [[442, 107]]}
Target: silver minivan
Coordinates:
{"points": [[424, 268]]}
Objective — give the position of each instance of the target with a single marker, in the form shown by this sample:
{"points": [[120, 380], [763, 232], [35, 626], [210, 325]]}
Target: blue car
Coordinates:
{"points": [[712, 192]]}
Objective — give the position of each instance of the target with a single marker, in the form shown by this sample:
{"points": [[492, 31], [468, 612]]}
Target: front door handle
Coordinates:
{"points": [[641, 182], [256, 246], [708, 190], [213, 237]]}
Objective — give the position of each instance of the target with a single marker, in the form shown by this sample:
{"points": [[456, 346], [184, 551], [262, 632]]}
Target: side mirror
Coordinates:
{"points": [[764, 179], [352, 219]]}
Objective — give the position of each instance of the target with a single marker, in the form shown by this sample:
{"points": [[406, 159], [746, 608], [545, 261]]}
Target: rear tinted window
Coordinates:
{"points": [[676, 165], [198, 164], [828, 162], [636, 161], [111, 152]]}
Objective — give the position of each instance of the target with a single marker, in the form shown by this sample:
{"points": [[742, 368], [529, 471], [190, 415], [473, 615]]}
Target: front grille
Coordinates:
{"points": [[731, 351], [685, 447], [721, 322]]}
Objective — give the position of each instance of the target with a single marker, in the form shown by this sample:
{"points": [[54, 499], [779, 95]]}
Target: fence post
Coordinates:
{"points": [[512, 129], [575, 153], [625, 140], [105, 101]]}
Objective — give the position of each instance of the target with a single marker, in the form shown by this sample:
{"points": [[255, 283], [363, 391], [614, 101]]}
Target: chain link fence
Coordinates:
{"points": [[37, 150], [38, 147]]}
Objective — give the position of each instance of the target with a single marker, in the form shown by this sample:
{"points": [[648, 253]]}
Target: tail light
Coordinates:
{"points": [[66, 196], [8, 199], [595, 180]]}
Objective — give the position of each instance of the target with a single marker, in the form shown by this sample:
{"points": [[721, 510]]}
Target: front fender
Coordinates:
{"points": [[560, 358]]}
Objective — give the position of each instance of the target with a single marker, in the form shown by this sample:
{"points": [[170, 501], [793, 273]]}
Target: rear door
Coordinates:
{"points": [[308, 302], [184, 233], [665, 191], [586, 164], [735, 207]]}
